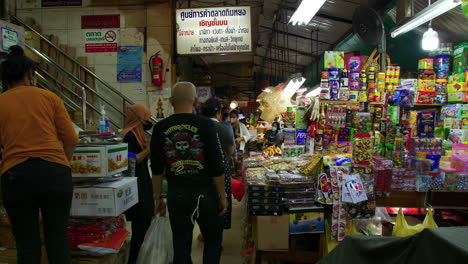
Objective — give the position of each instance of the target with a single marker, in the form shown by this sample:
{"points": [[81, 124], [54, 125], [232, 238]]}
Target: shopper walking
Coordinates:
{"points": [[137, 120], [188, 149], [38, 140], [212, 110], [242, 135]]}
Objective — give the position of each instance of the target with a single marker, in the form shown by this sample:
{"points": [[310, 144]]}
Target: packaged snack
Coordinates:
{"points": [[334, 90], [450, 176], [426, 75], [441, 86], [425, 97], [324, 94], [354, 86], [426, 64], [427, 85], [354, 63], [456, 97], [460, 58], [362, 148], [461, 182], [362, 96], [325, 75], [426, 123], [334, 59], [393, 114], [452, 110], [453, 87], [353, 96], [343, 95], [442, 66], [423, 183], [441, 98], [334, 74], [363, 122]]}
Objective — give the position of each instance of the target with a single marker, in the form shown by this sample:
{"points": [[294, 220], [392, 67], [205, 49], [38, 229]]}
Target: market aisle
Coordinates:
{"points": [[232, 240]]}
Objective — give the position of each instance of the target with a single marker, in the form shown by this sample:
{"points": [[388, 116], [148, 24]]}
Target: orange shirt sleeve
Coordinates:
{"points": [[65, 130]]}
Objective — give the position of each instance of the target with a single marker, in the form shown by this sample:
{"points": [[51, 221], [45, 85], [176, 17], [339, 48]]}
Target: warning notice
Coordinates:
{"points": [[101, 40]]}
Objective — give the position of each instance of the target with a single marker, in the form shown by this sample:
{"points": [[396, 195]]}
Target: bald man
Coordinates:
{"points": [[187, 149]]}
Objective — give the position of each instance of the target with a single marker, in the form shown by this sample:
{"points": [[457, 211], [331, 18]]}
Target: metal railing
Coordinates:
{"points": [[76, 80]]}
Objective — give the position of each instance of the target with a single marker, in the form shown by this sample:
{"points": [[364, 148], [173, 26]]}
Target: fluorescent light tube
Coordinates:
{"points": [[313, 93], [306, 11], [293, 85], [428, 13]]}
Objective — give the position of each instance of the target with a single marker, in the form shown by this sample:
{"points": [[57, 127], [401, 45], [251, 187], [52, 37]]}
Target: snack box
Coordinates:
{"points": [[306, 222], [265, 200], [456, 87], [105, 199], [426, 64], [456, 97], [265, 188], [334, 59], [460, 58], [99, 160], [427, 85]]}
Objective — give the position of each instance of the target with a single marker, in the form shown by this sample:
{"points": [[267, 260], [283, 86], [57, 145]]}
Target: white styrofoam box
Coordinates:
{"points": [[99, 160], [105, 199]]}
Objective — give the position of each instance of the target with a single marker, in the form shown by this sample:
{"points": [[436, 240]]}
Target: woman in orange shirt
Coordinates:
{"points": [[37, 140]]}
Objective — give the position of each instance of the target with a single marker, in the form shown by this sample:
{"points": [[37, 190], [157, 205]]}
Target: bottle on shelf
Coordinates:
{"points": [[103, 122]]}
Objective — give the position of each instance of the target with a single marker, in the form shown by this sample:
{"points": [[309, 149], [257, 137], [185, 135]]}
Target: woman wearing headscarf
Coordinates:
{"points": [[137, 120]]}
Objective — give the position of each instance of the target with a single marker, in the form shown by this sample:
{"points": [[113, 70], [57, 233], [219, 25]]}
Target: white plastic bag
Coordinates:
{"points": [[157, 247]]}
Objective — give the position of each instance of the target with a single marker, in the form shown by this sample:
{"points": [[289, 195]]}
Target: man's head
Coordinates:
{"points": [[225, 113], [212, 109], [184, 95]]}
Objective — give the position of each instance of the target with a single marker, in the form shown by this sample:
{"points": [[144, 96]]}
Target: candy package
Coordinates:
{"points": [[354, 63], [426, 123], [362, 149], [425, 97]]}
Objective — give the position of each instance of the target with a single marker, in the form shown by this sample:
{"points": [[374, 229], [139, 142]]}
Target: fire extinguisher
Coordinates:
{"points": [[156, 68]]}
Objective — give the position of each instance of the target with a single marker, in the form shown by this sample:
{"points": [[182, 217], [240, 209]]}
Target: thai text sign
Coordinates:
{"points": [[213, 30], [100, 40]]}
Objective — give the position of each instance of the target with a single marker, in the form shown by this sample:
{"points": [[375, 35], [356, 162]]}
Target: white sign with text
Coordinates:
{"points": [[214, 30]]}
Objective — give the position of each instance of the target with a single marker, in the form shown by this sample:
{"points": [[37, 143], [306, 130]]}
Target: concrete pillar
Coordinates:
{"points": [[185, 68]]}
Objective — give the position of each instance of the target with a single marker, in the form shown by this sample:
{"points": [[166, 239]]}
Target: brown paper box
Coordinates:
{"points": [[272, 232]]}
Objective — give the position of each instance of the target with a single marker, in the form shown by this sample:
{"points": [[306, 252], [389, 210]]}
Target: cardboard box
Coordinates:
{"points": [[272, 232], [100, 161], [306, 223], [105, 199], [456, 97]]}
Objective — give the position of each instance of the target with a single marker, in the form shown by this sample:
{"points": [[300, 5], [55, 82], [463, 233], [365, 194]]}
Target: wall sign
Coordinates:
{"points": [[100, 40], [214, 30], [49, 3], [9, 38], [129, 63], [103, 21]]}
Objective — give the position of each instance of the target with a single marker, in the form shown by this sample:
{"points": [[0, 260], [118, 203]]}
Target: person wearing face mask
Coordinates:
{"points": [[273, 136], [37, 140], [137, 120], [242, 135]]}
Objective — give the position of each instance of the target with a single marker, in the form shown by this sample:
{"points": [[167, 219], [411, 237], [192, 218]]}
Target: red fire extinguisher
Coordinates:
{"points": [[156, 68]]}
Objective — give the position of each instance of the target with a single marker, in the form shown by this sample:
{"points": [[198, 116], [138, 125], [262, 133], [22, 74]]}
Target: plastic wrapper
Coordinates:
{"points": [[461, 182], [369, 227], [255, 175], [362, 149], [423, 183]]}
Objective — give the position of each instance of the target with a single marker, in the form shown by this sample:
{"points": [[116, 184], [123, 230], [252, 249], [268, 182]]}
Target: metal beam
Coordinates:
{"points": [[295, 35], [290, 50], [280, 61]]}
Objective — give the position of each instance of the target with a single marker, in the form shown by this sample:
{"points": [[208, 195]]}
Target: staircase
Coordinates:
{"points": [[82, 91]]}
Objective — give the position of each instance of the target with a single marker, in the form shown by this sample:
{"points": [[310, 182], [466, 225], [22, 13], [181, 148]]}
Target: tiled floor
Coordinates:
{"points": [[232, 240]]}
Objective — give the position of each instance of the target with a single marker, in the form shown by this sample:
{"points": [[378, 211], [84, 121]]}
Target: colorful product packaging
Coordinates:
{"points": [[456, 97], [353, 96], [362, 96], [440, 98], [334, 59], [300, 122], [442, 66], [456, 87], [425, 97], [427, 85], [354, 63], [354, 86], [460, 58], [334, 74], [426, 64], [426, 124], [343, 94], [334, 90], [441, 86]]}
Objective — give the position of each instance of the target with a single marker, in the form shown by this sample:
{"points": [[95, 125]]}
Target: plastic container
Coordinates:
{"points": [[442, 66], [132, 161]]}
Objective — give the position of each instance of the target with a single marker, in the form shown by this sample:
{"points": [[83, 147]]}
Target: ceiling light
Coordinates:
{"points": [[430, 40], [428, 13], [267, 90], [233, 105], [306, 11], [295, 82]]}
